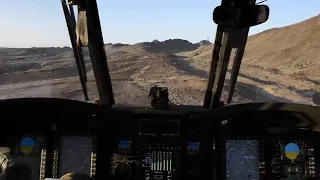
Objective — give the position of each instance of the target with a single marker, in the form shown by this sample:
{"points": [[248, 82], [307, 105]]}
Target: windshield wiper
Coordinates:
{"points": [[213, 67], [88, 33], [77, 51], [226, 39], [239, 41], [218, 69]]}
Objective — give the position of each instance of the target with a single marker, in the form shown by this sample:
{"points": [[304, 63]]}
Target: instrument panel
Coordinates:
{"points": [[244, 158], [156, 145], [159, 155]]}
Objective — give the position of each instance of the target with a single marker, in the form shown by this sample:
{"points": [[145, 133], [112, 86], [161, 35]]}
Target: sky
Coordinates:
{"points": [[38, 23]]}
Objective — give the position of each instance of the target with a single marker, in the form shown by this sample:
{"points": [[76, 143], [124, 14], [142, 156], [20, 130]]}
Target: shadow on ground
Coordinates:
{"points": [[186, 67], [246, 91]]}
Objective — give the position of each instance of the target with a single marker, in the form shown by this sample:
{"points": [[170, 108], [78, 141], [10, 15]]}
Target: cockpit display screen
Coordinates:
{"points": [[75, 154], [28, 150], [151, 127], [242, 160]]}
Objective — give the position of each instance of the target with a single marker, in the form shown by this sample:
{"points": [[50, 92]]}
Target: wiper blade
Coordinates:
{"points": [[70, 20], [220, 60], [81, 59]]}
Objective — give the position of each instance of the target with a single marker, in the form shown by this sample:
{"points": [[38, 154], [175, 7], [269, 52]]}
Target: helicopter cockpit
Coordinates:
{"points": [[104, 140]]}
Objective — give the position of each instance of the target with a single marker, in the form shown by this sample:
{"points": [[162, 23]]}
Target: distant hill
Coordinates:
{"points": [[168, 46], [204, 43], [43, 51]]}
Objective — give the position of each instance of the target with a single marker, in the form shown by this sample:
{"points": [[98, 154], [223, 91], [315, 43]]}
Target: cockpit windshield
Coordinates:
{"points": [[162, 43]]}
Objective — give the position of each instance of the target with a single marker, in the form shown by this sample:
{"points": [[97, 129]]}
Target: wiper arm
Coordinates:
{"points": [[239, 40], [213, 67], [220, 71], [97, 52], [76, 49], [220, 60]]}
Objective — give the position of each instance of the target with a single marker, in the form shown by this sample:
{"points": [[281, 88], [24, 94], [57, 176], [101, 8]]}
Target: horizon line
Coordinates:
{"points": [[256, 33]]}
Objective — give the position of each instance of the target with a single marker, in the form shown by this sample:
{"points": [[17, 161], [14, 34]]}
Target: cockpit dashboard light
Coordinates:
{"points": [[124, 146], [193, 147]]}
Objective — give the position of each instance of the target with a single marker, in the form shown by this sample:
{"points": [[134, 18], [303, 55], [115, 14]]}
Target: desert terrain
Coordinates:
{"points": [[280, 64]]}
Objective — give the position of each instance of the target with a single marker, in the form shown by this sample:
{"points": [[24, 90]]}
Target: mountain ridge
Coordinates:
{"points": [[316, 18]]}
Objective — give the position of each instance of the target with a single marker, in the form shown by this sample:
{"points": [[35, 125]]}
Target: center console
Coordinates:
{"points": [[156, 147]]}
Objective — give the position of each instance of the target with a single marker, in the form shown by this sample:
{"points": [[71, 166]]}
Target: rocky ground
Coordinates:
{"points": [[280, 64]]}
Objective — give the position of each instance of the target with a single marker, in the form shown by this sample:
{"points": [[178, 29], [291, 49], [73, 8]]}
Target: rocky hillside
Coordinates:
{"points": [[280, 64], [285, 59], [291, 50]]}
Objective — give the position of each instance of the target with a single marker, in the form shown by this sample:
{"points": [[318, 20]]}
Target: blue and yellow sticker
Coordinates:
{"points": [[292, 151], [27, 145]]}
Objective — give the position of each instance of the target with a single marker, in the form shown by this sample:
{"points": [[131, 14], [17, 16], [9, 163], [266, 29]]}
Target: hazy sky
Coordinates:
{"points": [[27, 23]]}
